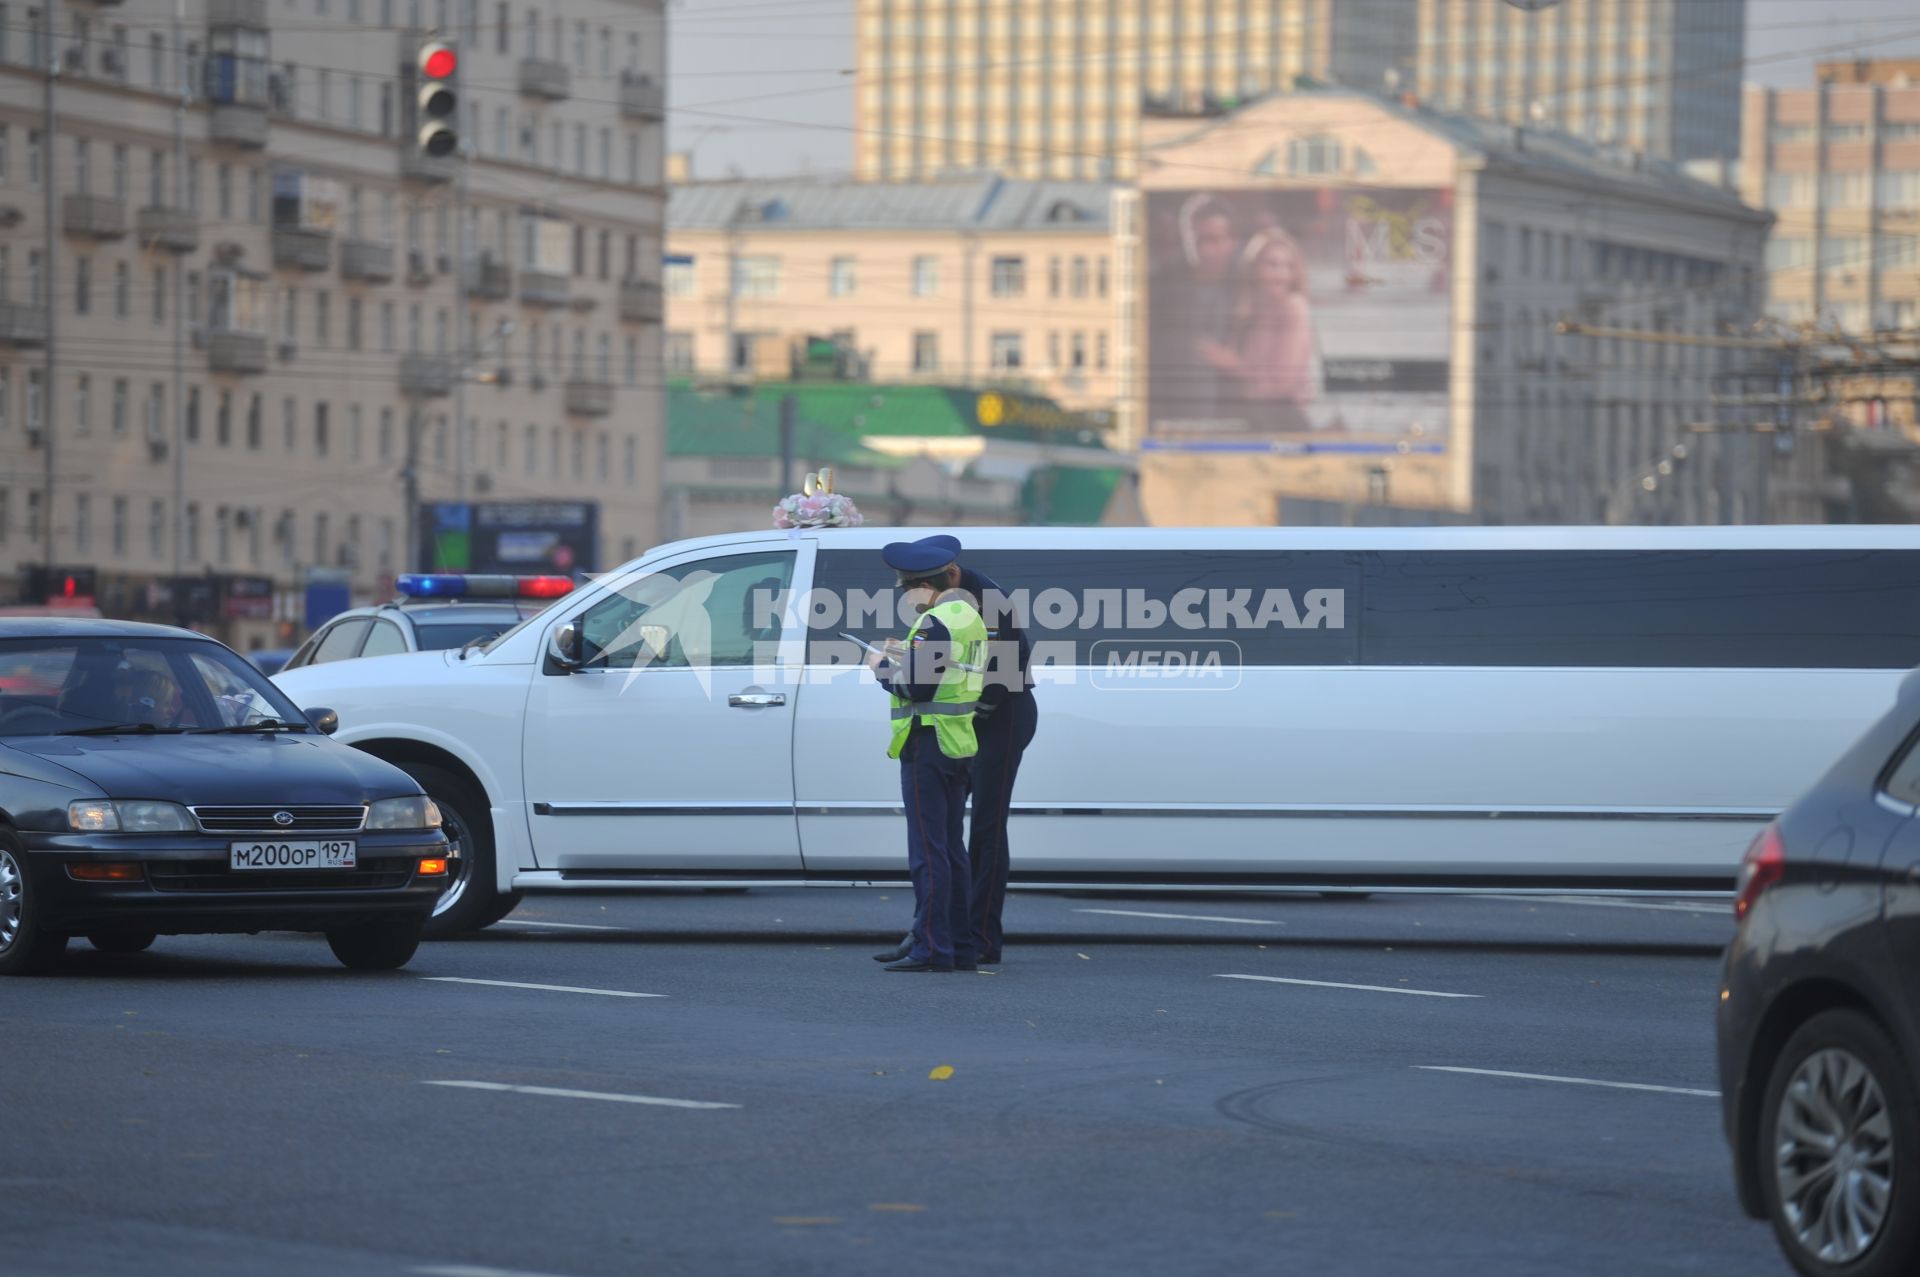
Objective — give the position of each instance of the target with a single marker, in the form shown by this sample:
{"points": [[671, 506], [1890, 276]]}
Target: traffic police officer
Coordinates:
{"points": [[935, 680], [1004, 726]]}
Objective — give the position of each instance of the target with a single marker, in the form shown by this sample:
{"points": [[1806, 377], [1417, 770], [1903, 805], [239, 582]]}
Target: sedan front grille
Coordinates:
{"points": [[260, 820], [382, 874]]}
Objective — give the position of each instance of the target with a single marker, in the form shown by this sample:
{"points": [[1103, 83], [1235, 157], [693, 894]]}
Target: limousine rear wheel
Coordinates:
{"points": [[1839, 1151], [24, 948], [469, 901]]}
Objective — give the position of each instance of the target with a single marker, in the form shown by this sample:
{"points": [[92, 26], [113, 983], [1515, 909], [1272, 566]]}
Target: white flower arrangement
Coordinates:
{"points": [[816, 505]]}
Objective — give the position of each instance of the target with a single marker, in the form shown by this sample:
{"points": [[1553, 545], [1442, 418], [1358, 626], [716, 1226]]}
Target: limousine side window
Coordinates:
{"points": [[713, 612], [1251, 607], [1760, 609]]}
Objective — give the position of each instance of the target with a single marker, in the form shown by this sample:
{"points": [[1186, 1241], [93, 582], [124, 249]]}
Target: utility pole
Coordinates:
{"points": [[789, 408], [49, 181], [410, 489], [179, 326], [467, 339]]}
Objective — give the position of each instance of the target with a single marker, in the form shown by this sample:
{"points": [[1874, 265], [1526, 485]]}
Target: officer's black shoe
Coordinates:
{"points": [[989, 959], [911, 965], [966, 966], [897, 954]]}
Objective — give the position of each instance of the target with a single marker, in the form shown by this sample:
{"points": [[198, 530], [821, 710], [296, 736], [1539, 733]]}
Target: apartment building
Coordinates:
{"points": [[1838, 162], [963, 281], [1430, 260], [261, 316], [1657, 76], [1057, 88]]}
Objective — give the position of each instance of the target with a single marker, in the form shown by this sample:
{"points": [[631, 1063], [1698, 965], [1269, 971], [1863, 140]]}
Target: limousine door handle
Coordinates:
{"points": [[749, 700]]}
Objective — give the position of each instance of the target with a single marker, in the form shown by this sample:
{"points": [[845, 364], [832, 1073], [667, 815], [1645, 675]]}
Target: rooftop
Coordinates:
{"points": [[983, 202]]}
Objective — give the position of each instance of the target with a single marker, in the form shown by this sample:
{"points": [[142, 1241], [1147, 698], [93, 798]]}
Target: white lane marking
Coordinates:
{"points": [[1182, 917], [544, 988], [1332, 984], [470, 1270], [558, 1092], [563, 926], [1717, 906], [1571, 1081]]}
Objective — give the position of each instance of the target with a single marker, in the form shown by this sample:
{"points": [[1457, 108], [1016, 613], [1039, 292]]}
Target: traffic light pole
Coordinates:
{"points": [[466, 340]]}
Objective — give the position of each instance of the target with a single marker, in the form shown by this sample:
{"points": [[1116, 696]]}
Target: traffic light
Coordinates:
{"points": [[437, 105]]}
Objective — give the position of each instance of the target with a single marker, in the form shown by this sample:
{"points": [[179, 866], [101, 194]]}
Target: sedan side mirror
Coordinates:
{"points": [[564, 646], [324, 721]]}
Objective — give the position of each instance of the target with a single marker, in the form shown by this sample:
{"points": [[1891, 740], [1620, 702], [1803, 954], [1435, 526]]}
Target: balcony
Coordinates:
{"points": [[543, 288], [94, 216], [589, 398], [251, 14], [22, 324], [641, 98], [365, 260], [488, 279], [426, 376], [428, 168], [301, 249], [236, 352], [171, 230], [641, 301], [238, 124], [544, 78]]}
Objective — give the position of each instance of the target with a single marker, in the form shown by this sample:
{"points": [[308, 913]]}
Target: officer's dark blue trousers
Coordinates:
{"points": [[935, 789], [1004, 736]]}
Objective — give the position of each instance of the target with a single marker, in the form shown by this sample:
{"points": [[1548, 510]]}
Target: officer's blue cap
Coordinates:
{"points": [[916, 559]]}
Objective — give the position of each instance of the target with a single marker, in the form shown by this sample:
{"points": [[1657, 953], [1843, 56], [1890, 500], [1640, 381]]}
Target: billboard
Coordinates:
{"points": [[1315, 318], [521, 537]]}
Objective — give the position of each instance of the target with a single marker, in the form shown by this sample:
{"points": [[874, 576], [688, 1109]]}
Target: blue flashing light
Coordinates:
{"points": [[431, 585]]}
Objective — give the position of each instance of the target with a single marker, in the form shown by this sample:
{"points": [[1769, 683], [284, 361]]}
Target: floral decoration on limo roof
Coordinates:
{"points": [[816, 505]]}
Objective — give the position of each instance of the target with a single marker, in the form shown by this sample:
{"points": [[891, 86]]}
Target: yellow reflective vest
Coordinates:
{"points": [[950, 712]]}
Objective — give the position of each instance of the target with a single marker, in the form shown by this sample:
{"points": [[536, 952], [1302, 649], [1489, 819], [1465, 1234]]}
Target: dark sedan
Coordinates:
{"points": [[1819, 1021], [152, 782]]}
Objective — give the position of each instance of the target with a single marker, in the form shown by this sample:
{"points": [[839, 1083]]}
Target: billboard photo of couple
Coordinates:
{"points": [[1320, 315]]}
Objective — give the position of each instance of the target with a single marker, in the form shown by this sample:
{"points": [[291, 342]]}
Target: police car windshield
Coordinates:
{"points": [[436, 636]]}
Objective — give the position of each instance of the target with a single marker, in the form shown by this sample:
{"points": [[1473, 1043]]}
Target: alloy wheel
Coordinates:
{"points": [[1833, 1156], [459, 861], [12, 888]]}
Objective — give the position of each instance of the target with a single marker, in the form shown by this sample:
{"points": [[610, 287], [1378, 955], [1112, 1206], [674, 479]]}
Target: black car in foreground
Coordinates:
{"points": [[152, 782], [1819, 1017]]}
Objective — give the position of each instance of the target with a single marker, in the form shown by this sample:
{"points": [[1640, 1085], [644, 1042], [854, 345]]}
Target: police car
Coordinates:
{"points": [[1347, 709], [435, 611]]}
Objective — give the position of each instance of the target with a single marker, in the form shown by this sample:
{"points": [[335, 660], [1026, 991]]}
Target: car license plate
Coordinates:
{"points": [[333, 853]]}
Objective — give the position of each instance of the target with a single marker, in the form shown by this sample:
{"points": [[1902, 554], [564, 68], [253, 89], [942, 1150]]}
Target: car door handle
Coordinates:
{"points": [[750, 699]]}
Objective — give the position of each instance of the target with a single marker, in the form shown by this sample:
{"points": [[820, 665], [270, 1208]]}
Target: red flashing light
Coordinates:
{"points": [[545, 587], [68, 587], [1765, 865], [439, 62]]}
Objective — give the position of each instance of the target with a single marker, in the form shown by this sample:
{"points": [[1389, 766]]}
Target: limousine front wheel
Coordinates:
{"points": [[469, 901]]}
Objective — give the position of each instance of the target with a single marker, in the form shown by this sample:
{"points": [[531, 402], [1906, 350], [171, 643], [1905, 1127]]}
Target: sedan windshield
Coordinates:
{"points": [[103, 684]]}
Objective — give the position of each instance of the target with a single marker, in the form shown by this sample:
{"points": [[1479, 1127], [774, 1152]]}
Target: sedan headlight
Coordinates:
{"points": [[417, 812], [139, 816]]}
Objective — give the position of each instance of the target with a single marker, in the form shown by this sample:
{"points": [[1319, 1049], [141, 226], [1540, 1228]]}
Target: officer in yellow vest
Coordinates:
{"points": [[934, 680]]}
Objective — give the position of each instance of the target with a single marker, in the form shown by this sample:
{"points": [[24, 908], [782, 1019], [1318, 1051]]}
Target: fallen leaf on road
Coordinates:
{"points": [[1083, 957], [941, 1074]]}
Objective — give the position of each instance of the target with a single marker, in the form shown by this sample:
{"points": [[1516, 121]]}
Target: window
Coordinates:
{"points": [[82, 404], [677, 276], [223, 420], [1314, 155], [256, 424], [756, 277], [676, 351], [289, 426], [1077, 277], [119, 420], [841, 277], [82, 284], [926, 352], [926, 276], [1006, 352], [1899, 189], [320, 429], [191, 427], [322, 319], [356, 441], [1053, 277], [353, 323], [1790, 134], [633, 360], [1009, 277], [160, 296], [1791, 190], [385, 440], [709, 613], [1846, 190], [82, 521]]}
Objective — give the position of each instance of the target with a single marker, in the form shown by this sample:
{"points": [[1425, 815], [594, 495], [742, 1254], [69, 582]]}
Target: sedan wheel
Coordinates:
{"points": [[1839, 1146], [24, 948]]}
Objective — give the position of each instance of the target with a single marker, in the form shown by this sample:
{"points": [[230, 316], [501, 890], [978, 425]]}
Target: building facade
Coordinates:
{"points": [[1057, 88], [1490, 323], [1657, 76], [968, 281], [233, 349], [1838, 163]]}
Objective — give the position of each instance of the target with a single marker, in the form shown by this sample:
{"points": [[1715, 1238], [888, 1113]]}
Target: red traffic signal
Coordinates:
{"points": [[438, 61]]}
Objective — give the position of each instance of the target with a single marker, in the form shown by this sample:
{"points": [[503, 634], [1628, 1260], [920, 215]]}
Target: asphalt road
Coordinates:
{"points": [[1116, 1102]]}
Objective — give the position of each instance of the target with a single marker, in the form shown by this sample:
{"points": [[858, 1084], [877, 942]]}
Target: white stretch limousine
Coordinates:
{"points": [[1285, 708]]}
